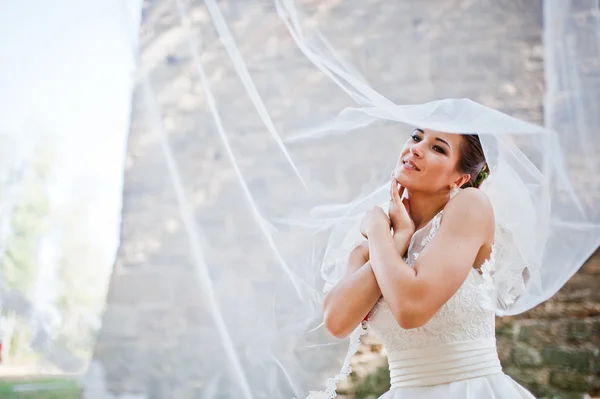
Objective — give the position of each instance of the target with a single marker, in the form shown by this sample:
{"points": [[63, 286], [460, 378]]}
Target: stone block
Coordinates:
{"points": [[176, 370], [568, 395], [592, 266], [570, 381], [595, 361], [188, 288], [141, 286], [538, 334], [123, 365], [532, 379], [156, 323], [119, 322], [524, 355], [93, 385], [505, 330], [504, 347], [579, 331], [581, 288], [595, 331], [578, 360]]}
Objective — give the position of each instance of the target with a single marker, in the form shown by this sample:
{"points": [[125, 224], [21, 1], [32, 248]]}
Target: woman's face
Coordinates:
{"points": [[428, 162]]}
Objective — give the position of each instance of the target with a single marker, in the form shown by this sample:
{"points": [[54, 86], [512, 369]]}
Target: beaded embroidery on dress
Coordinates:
{"points": [[453, 355]]}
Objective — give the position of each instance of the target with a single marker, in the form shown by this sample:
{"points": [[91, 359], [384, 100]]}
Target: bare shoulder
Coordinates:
{"points": [[472, 209], [471, 198]]}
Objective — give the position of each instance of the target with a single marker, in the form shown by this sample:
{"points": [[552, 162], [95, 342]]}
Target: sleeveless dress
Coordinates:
{"points": [[452, 356]]}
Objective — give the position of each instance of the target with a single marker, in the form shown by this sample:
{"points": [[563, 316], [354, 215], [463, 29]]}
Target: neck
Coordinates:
{"points": [[424, 206]]}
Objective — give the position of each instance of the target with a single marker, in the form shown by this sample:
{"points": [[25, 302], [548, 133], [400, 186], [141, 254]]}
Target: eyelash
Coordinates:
{"points": [[436, 148]]}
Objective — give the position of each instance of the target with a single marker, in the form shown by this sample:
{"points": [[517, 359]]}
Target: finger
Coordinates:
{"points": [[399, 189], [392, 187], [395, 195]]}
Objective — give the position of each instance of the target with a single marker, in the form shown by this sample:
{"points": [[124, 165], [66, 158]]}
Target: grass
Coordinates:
{"points": [[39, 389]]}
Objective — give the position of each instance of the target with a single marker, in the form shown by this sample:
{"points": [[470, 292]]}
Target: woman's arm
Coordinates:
{"points": [[415, 295], [353, 297]]}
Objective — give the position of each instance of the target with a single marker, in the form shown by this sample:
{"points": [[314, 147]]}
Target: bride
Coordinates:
{"points": [[418, 280]]}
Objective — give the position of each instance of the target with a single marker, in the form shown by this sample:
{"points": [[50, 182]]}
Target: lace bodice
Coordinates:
{"points": [[462, 318]]}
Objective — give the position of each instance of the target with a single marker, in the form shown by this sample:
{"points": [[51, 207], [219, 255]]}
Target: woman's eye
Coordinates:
{"points": [[438, 149], [416, 138]]}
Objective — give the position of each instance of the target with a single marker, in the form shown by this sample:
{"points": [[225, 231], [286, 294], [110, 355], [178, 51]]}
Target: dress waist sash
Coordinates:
{"points": [[444, 363]]}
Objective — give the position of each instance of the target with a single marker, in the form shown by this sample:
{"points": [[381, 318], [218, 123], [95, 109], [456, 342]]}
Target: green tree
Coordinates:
{"points": [[80, 296], [28, 224]]}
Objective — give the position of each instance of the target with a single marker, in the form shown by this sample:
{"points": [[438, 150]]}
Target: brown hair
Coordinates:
{"points": [[472, 160]]}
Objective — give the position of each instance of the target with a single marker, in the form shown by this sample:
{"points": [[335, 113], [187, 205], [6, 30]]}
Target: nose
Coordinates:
{"points": [[416, 150]]}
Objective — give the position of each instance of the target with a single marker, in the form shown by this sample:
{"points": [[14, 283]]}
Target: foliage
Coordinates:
{"points": [[40, 389], [19, 262], [28, 225], [373, 385]]}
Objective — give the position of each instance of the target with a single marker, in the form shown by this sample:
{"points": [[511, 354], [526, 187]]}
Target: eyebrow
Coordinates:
{"points": [[437, 138], [443, 141]]}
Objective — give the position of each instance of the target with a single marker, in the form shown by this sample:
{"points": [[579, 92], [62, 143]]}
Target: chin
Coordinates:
{"points": [[405, 181]]}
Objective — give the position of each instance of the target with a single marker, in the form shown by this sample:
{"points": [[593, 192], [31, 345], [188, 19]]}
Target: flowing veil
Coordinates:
{"points": [[262, 130], [301, 133]]}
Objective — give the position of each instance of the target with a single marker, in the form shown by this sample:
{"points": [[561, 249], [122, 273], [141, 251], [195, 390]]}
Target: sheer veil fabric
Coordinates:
{"points": [[302, 135]]}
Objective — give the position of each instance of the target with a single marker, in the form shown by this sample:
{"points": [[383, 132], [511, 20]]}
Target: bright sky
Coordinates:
{"points": [[66, 68]]}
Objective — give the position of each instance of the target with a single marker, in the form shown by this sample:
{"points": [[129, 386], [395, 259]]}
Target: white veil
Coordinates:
{"points": [[294, 143]]}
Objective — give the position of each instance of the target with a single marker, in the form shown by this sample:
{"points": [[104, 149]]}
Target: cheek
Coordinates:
{"points": [[440, 169], [403, 153], [406, 148]]}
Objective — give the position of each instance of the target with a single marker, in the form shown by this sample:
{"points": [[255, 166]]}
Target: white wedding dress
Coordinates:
{"points": [[454, 355]]}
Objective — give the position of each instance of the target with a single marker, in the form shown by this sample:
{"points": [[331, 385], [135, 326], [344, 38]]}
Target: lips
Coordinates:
{"points": [[408, 164]]}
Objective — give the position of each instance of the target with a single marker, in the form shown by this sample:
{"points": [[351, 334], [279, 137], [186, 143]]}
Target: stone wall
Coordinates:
{"points": [[555, 348]]}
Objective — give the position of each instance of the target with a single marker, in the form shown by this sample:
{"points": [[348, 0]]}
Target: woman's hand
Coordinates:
{"points": [[399, 212], [373, 219]]}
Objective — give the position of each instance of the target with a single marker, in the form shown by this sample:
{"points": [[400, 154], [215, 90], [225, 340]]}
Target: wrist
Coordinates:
{"points": [[378, 230], [401, 242]]}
